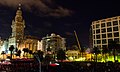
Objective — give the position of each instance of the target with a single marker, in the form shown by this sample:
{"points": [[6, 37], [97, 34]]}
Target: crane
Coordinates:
{"points": [[77, 40]]}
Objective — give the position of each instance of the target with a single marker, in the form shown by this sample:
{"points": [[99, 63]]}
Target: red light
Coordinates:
{"points": [[53, 65]]}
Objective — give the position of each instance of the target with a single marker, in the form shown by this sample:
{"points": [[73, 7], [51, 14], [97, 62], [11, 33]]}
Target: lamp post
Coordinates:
{"points": [[37, 57]]}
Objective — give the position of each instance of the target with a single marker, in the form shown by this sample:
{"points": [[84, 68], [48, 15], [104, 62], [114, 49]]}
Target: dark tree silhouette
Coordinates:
{"points": [[19, 53], [61, 55], [104, 52], [113, 46], [74, 47], [26, 50], [96, 51], [30, 52], [48, 58], [82, 51], [16, 49], [11, 48], [48, 49]]}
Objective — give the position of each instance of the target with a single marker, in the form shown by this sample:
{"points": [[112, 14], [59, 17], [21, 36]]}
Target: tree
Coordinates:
{"points": [[104, 52], [49, 49], [3, 53], [11, 48], [96, 51], [48, 58], [16, 49], [19, 53], [82, 51], [26, 50], [61, 55], [74, 47], [30, 52], [113, 46]]}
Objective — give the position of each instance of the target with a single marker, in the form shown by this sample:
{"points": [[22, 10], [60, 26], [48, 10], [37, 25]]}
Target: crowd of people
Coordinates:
{"points": [[19, 66], [33, 66], [86, 67]]}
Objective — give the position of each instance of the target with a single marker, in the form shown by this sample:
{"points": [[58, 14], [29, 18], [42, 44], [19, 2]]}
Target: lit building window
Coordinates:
{"points": [[94, 36], [97, 25], [98, 36], [103, 25], [98, 41], [116, 34], [93, 31], [115, 22], [108, 23], [109, 29], [98, 31], [109, 40], [103, 41], [116, 39], [110, 35], [103, 30], [115, 28], [103, 35]]}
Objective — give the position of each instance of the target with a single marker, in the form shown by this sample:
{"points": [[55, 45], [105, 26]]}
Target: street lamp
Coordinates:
{"points": [[37, 57]]}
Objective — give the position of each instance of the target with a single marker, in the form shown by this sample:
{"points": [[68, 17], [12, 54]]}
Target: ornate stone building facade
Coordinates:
{"points": [[18, 25], [21, 41]]}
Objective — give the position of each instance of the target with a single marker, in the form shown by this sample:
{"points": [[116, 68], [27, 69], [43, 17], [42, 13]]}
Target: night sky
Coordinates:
{"points": [[62, 17]]}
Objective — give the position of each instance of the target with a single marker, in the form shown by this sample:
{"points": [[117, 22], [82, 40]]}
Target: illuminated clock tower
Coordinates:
{"points": [[18, 25]]}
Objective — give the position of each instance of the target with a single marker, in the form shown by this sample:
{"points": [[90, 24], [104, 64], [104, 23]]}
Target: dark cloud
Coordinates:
{"points": [[40, 5], [47, 24], [60, 12]]}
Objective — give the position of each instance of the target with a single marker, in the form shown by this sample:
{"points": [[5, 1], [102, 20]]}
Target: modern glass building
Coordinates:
{"points": [[105, 30]]}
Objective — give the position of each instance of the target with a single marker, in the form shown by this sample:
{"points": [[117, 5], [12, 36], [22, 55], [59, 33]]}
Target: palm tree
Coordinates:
{"points": [[96, 51], [113, 46], [11, 48], [3, 53], [104, 52]]}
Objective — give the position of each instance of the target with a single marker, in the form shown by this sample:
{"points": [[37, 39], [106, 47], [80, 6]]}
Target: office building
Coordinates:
{"points": [[104, 31]]}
